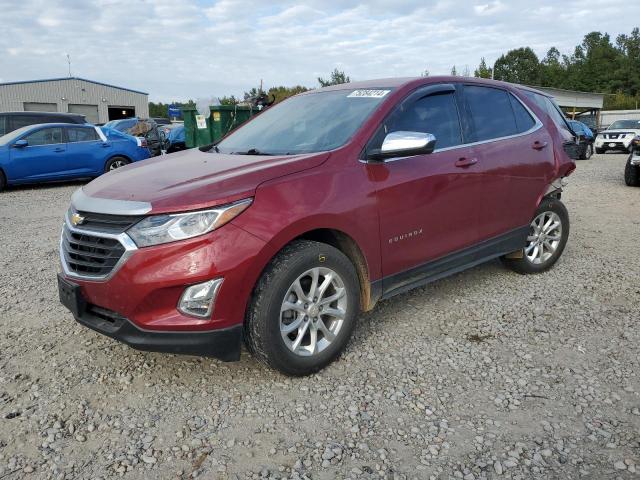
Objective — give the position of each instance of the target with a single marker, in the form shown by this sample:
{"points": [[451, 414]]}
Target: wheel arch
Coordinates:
{"points": [[337, 238], [347, 245]]}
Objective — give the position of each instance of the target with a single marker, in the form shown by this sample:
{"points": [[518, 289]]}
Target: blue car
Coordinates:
{"points": [[61, 151]]}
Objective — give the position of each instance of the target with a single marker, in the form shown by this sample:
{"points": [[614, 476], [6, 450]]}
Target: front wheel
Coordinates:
{"points": [[548, 234], [304, 308], [631, 174], [115, 162]]}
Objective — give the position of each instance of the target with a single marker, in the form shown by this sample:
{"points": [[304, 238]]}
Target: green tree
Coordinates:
{"points": [[483, 71], [281, 93], [231, 100], [336, 77], [518, 66]]}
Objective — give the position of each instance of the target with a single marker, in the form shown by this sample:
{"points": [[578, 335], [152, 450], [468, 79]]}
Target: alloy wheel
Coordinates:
{"points": [[544, 237], [117, 164], [313, 311]]}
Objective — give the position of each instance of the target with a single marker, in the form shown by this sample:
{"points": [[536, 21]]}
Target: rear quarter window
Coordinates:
{"points": [[548, 106], [524, 120]]}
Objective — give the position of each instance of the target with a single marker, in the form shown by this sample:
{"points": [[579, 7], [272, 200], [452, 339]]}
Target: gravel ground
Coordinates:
{"points": [[487, 374]]}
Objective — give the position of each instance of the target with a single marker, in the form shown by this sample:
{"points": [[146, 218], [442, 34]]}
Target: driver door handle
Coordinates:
{"points": [[466, 162], [59, 149], [538, 145]]}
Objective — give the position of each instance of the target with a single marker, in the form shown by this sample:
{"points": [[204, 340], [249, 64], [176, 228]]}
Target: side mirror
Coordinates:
{"points": [[21, 144], [404, 144]]}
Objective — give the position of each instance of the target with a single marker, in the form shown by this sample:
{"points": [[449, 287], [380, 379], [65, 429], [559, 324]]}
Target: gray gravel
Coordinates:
{"points": [[487, 374]]}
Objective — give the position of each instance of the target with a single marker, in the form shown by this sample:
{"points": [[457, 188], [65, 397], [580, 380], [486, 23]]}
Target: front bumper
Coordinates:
{"points": [[223, 344], [621, 144], [147, 287]]}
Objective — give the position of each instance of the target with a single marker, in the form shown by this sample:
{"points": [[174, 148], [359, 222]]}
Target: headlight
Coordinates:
{"points": [[158, 229]]}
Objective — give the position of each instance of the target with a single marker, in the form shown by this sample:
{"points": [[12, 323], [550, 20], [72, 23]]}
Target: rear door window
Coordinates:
{"points": [[491, 112], [46, 136], [78, 134]]}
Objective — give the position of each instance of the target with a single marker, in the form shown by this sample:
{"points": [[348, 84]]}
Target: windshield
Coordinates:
{"points": [[309, 123], [635, 124], [10, 137]]}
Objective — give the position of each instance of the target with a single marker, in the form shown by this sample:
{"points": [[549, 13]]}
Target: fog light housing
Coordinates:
{"points": [[198, 300]]}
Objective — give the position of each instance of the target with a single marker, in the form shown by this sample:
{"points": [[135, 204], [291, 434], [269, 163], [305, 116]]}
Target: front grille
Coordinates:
{"points": [[99, 222], [90, 255]]}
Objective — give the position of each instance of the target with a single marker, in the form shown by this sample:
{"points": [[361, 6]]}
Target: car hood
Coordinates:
{"points": [[623, 130], [192, 179]]}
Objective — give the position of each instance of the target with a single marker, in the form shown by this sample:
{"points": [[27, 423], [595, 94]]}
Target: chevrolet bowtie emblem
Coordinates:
{"points": [[77, 219]]}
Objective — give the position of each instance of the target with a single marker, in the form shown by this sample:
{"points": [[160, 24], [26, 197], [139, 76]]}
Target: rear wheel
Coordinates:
{"points": [[3, 181], [631, 174], [600, 150], [588, 151], [116, 162], [304, 308], [548, 234]]}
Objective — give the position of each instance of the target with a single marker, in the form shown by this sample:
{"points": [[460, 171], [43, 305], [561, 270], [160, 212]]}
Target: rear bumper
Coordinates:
{"points": [[223, 344]]}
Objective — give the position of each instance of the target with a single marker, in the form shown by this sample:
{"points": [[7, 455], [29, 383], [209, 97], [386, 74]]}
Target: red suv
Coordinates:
{"points": [[316, 209]]}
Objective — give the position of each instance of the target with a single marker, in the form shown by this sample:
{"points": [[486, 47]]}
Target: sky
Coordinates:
{"points": [[182, 49]]}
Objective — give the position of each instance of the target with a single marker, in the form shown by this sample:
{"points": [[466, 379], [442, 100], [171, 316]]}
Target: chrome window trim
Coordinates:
{"points": [[536, 126], [84, 203], [124, 239]]}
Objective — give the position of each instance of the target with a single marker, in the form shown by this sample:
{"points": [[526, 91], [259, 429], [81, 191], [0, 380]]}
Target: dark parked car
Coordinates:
{"points": [[632, 168], [161, 121], [585, 139], [142, 128], [10, 121], [320, 206]]}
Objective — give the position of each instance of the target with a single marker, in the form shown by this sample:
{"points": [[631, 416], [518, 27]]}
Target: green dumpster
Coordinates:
{"points": [[200, 130]]}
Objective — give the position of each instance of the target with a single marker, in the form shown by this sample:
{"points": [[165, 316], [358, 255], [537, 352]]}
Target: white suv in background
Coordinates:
{"points": [[617, 136]]}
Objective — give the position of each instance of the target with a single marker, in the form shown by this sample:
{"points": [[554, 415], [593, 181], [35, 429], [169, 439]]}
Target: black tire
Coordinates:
{"points": [[525, 265], [3, 181], [600, 150], [116, 162], [263, 319], [631, 174], [588, 151]]}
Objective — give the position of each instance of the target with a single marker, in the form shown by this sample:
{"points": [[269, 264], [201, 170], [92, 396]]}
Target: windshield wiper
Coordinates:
{"points": [[251, 151]]}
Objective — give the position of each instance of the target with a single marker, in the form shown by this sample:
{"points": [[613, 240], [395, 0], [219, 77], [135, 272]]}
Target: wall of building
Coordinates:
{"points": [[607, 117], [71, 91]]}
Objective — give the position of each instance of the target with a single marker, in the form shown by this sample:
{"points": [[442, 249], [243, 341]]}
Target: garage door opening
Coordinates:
{"points": [[40, 107], [116, 113]]}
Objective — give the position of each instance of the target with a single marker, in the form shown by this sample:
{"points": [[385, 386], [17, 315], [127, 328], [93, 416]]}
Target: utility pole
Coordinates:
{"points": [[69, 62]]}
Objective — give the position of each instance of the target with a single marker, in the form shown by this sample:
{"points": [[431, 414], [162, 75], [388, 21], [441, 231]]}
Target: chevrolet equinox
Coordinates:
{"points": [[319, 207]]}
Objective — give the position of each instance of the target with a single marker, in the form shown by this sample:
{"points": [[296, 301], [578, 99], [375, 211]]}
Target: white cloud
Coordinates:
{"points": [[489, 8], [199, 48]]}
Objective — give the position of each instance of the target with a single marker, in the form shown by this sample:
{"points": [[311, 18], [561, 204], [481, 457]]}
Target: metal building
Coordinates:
{"points": [[99, 102]]}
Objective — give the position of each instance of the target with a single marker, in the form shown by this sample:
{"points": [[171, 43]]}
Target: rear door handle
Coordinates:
{"points": [[105, 145], [59, 149], [466, 162], [538, 145]]}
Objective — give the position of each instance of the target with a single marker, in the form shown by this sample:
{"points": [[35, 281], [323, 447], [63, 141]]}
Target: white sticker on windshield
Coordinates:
{"points": [[368, 93]]}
